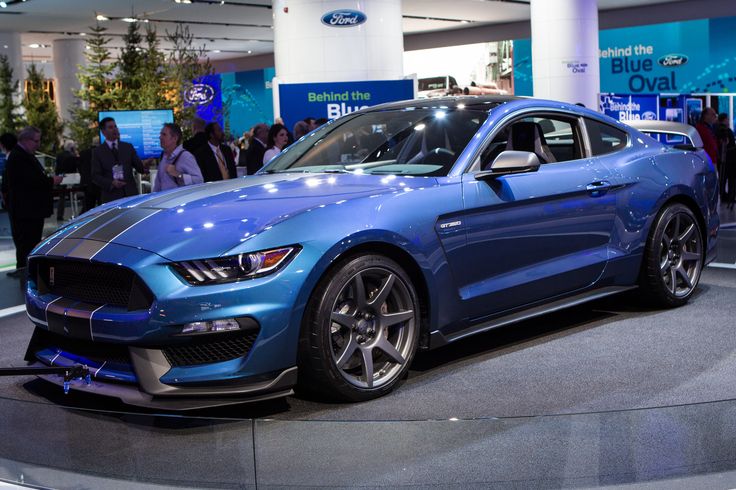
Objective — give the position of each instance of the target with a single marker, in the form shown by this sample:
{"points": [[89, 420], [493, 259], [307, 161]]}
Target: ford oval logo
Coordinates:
{"points": [[344, 18], [199, 93], [672, 60]]}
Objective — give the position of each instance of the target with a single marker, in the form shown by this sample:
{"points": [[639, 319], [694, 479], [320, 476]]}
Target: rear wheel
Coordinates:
{"points": [[673, 259], [361, 330]]}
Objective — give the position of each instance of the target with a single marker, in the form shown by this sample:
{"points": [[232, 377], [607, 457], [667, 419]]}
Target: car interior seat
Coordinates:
{"points": [[528, 136]]}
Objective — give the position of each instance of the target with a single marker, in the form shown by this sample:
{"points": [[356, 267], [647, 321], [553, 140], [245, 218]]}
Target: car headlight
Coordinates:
{"points": [[234, 267]]}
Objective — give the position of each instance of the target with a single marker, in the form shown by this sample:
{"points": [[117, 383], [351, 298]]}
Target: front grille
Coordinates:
{"points": [[95, 283], [95, 352], [211, 348]]}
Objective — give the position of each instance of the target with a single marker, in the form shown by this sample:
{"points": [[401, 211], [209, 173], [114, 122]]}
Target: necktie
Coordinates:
{"points": [[221, 164], [115, 152]]}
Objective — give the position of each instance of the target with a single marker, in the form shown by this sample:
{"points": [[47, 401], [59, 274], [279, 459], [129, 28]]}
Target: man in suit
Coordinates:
{"points": [[30, 199], [215, 159], [199, 138], [113, 162], [254, 156]]}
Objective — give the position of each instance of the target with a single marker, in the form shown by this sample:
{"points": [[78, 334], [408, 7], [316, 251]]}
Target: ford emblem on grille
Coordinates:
{"points": [[344, 18], [51, 276]]}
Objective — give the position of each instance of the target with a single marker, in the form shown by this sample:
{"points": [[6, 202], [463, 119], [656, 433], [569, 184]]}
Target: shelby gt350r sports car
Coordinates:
{"points": [[407, 225]]}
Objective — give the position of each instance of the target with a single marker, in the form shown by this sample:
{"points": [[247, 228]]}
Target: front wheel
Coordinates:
{"points": [[360, 331], [673, 259]]}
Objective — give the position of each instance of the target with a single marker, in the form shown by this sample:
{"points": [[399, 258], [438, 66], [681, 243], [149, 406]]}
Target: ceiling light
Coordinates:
{"points": [[37, 45], [82, 33], [129, 20], [183, 1], [216, 51], [3, 5], [102, 18], [249, 51]]}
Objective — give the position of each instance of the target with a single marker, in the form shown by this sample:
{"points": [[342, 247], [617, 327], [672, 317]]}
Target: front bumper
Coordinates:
{"points": [[141, 357]]}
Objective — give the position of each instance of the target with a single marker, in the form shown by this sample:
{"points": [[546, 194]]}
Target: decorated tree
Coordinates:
{"points": [[40, 110], [98, 92], [153, 90], [186, 64], [9, 119], [129, 76]]}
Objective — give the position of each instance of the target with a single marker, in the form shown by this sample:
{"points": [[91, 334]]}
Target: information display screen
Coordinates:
{"points": [[140, 129]]}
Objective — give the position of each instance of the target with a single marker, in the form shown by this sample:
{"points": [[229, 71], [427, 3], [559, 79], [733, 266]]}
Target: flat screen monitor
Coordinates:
{"points": [[140, 129]]}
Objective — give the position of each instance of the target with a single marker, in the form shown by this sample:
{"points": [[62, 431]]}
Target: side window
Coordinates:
{"points": [[552, 138], [604, 138]]}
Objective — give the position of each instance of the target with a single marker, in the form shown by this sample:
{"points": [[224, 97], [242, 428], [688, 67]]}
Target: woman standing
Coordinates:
{"points": [[278, 137], [178, 167]]}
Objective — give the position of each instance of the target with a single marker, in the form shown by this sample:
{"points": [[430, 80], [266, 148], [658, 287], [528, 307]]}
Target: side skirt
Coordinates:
{"points": [[438, 339]]}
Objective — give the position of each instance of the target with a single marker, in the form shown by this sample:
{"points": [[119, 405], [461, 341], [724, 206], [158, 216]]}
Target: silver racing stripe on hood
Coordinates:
{"points": [[90, 239]]}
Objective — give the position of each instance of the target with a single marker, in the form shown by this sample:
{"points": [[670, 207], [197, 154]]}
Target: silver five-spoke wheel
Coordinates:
{"points": [[372, 327], [673, 258], [361, 330]]}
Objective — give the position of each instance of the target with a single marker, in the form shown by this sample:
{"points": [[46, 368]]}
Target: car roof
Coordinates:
{"points": [[471, 102]]}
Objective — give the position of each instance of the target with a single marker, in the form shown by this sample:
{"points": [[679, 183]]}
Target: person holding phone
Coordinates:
{"points": [[178, 167]]}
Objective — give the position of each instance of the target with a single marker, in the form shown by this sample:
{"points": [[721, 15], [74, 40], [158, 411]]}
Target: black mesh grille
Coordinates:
{"points": [[94, 283], [96, 352], [209, 351]]}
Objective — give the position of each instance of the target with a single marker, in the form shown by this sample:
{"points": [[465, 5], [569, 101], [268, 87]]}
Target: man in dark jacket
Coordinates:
{"points": [[113, 163], [705, 129], [29, 195], [199, 138], [215, 159], [254, 155]]}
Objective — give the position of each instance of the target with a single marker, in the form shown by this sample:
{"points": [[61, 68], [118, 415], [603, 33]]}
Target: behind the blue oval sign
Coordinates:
{"points": [[344, 18]]}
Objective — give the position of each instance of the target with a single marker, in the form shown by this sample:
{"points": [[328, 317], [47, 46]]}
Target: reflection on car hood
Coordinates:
{"points": [[208, 220]]}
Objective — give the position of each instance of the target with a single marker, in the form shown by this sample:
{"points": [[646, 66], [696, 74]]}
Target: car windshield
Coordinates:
{"points": [[412, 141]]}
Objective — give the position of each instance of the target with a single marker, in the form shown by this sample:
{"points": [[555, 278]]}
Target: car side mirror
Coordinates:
{"points": [[510, 162]]}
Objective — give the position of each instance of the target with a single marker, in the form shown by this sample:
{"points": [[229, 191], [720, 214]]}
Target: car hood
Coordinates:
{"points": [[210, 219]]}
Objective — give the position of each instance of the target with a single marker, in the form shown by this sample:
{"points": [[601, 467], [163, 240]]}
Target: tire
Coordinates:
{"points": [[673, 258], [360, 330]]}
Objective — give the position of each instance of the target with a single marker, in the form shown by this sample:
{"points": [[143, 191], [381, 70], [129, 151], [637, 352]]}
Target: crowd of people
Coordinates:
{"points": [[106, 169], [720, 145]]}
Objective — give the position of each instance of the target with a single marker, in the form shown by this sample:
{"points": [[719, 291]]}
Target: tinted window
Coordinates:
{"points": [[413, 141], [604, 138], [552, 139]]}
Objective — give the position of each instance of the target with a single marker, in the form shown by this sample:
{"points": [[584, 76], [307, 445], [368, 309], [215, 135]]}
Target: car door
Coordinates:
{"points": [[536, 235]]}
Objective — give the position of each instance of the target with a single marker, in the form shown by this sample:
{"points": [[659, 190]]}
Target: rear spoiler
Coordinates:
{"points": [[692, 138]]}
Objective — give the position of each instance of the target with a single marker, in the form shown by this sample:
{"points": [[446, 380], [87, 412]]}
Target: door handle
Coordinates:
{"points": [[598, 188]]}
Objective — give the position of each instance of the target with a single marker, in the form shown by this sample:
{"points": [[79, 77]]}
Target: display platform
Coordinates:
{"points": [[604, 394]]}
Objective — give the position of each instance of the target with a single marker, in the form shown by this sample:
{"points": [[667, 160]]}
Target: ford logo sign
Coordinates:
{"points": [[344, 18], [199, 94], [672, 60]]}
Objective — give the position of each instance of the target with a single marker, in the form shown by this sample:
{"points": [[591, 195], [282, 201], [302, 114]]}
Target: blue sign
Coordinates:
{"points": [[344, 18], [206, 96], [332, 100], [629, 107], [695, 56]]}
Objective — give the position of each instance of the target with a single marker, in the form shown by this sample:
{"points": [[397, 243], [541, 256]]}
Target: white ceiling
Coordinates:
{"points": [[239, 27]]}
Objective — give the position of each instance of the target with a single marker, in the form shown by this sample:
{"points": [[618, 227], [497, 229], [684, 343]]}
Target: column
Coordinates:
{"points": [[10, 46], [311, 45], [565, 51], [68, 54]]}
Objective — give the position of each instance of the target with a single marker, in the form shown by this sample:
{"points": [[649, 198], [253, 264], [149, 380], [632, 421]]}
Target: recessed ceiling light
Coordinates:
{"points": [[101, 18], [183, 1], [3, 5], [82, 33], [36, 45], [216, 51], [249, 51]]}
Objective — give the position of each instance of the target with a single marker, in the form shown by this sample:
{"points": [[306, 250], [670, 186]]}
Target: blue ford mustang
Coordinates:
{"points": [[403, 226]]}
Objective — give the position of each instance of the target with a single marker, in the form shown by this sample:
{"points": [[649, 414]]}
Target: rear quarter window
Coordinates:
{"points": [[605, 138]]}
